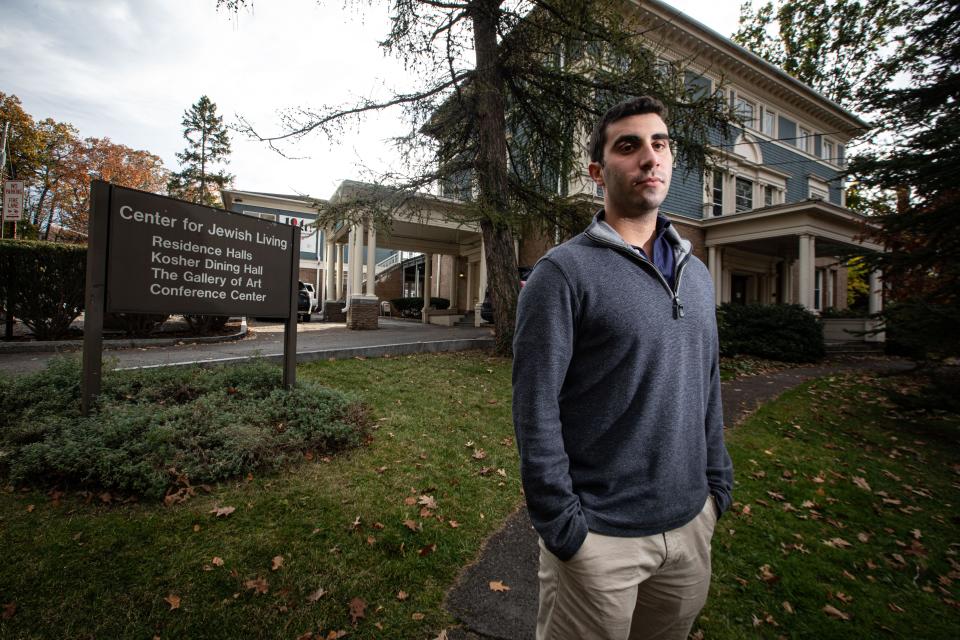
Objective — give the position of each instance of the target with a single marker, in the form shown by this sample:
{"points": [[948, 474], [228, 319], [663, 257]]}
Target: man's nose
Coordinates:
{"points": [[647, 157]]}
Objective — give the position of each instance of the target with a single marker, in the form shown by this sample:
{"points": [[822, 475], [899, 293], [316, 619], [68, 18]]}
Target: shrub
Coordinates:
{"points": [[779, 332], [205, 325], [43, 284], [411, 307], [156, 429], [134, 325]]}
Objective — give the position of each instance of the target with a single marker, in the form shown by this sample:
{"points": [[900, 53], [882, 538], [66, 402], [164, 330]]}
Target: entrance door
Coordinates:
{"points": [[738, 289]]}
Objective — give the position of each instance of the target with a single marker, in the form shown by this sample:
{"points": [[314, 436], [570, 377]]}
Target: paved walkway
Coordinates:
{"points": [[511, 554], [315, 341]]}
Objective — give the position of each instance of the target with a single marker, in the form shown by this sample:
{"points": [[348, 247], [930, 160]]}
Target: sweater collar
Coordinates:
{"points": [[600, 231]]}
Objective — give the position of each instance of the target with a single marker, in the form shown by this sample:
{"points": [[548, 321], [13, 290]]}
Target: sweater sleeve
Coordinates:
{"points": [[719, 465], [542, 349]]}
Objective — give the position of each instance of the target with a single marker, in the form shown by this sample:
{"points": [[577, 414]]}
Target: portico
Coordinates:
{"points": [[452, 249], [787, 254]]}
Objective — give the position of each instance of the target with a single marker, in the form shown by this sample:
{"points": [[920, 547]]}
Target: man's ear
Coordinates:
{"points": [[596, 172]]}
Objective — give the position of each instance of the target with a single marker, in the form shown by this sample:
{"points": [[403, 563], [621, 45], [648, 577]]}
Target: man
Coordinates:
{"points": [[616, 404]]}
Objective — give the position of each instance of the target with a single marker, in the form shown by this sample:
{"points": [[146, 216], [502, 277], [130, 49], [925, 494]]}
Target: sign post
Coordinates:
{"points": [[153, 254], [12, 203]]}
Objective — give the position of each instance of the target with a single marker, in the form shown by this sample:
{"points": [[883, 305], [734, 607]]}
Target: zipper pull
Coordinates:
{"points": [[677, 308]]}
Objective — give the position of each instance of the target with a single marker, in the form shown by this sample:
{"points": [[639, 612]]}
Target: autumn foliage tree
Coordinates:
{"points": [[504, 96], [57, 166]]}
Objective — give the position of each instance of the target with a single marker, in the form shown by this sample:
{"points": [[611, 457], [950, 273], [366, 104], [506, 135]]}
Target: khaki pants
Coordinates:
{"points": [[628, 588]]}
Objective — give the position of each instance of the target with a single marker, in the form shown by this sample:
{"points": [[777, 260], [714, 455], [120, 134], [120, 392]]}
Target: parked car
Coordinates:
{"points": [[304, 306], [306, 286], [486, 309]]}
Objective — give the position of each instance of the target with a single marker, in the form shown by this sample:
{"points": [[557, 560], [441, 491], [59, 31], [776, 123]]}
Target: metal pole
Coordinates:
{"points": [[3, 164], [290, 329], [100, 193]]}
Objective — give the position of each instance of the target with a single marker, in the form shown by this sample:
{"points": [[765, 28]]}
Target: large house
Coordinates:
{"points": [[769, 221]]}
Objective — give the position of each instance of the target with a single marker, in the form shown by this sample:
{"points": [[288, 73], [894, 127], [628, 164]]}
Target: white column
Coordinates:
{"points": [[351, 258], [427, 266], [339, 283], [875, 299], [470, 281], [356, 260], [875, 305], [807, 266], [436, 276], [371, 258], [455, 283], [715, 262], [482, 288], [416, 281], [330, 286]]}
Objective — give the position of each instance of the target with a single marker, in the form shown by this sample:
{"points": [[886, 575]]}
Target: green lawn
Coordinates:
{"points": [[440, 468], [845, 519]]}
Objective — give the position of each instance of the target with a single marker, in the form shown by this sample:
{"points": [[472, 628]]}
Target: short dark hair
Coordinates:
{"points": [[625, 109]]}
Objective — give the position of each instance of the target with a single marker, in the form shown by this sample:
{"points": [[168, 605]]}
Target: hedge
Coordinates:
{"points": [[411, 307], [42, 284], [783, 332]]}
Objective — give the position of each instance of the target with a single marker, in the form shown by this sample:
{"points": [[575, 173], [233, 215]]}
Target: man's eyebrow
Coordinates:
{"points": [[634, 139]]}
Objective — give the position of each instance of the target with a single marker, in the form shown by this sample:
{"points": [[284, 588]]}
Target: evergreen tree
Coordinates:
{"points": [[921, 161], [207, 146], [506, 93]]}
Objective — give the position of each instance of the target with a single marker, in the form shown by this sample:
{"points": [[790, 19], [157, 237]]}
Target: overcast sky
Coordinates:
{"points": [[127, 70]]}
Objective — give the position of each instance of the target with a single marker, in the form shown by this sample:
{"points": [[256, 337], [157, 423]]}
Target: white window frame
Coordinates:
{"points": [[804, 139], [736, 193], [714, 204], [764, 114], [741, 100], [827, 155]]}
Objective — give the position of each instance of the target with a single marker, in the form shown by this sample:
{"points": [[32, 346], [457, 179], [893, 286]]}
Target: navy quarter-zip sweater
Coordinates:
{"points": [[616, 392]]}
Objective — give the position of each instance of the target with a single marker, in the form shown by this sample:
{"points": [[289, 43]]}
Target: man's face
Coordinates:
{"points": [[637, 165]]}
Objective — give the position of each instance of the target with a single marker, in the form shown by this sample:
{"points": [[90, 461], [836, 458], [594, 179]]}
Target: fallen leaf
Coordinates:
{"points": [[844, 598], [276, 563], [427, 550], [454, 524], [861, 482], [173, 601], [893, 607], [217, 561], [497, 585], [863, 537], [418, 616], [9, 610], [837, 543], [357, 608], [378, 525], [355, 524], [425, 513], [502, 473], [222, 512], [410, 524], [787, 607], [402, 595], [767, 575], [30, 508], [409, 501], [833, 612], [479, 454], [316, 595], [258, 585]]}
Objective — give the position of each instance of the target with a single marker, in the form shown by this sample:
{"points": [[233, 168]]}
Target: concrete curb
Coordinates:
{"points": [[378, 351], [66, 346]]}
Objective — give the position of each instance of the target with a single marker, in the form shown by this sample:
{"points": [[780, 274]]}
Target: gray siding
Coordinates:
{"points": [[686, 194], [788, 130], [800, 168]]}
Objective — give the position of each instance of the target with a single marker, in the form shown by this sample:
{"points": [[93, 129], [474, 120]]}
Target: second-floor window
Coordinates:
{"points": [[717, 193], [805, 139], [826, 152], [769, 123], [744, 195], [745, 111]]}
